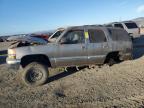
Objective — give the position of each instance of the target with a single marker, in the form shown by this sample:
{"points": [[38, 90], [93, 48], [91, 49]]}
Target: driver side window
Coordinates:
{"points": [[57, 34], [73, 37]]}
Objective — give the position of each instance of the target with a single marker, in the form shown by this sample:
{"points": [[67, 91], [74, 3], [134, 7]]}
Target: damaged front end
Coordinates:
{"points": [[26, 41], [17, 42]]}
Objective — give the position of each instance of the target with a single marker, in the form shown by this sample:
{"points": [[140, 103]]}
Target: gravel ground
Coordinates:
{"points": [[121, 85]]}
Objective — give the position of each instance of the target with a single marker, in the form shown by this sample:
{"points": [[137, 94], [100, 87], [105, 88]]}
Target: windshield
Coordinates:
{"points": [[57, 34], [131, 25]]}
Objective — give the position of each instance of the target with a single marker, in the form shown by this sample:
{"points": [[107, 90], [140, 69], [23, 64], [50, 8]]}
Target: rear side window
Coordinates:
{"points": [[118, 25], [131, 25], [119, 35], [96, 36]]}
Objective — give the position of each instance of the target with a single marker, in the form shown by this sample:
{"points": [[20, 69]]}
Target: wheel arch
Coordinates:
{"points": [[40, 58], [113, 54]]}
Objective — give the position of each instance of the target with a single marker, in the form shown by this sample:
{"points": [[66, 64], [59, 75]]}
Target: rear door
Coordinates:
{"points": [[98, 46], [73, 49]]}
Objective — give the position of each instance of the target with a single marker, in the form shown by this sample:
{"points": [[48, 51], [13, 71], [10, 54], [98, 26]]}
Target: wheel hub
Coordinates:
{"points": [[35, 75]]}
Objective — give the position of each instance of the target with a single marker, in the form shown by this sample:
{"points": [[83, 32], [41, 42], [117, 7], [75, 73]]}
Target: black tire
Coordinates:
{"points": [[111, 61], [35, 74]]}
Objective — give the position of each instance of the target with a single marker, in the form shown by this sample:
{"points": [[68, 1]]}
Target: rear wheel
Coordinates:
{"points": [[112, 59], [35, 74]]}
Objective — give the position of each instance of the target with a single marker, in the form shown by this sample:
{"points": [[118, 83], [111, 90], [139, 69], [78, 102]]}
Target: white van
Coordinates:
{"points": [[130, 26]]}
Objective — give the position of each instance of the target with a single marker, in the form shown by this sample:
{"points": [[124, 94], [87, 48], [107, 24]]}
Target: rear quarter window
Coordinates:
{"points": [[119, 35], [131, 25]]}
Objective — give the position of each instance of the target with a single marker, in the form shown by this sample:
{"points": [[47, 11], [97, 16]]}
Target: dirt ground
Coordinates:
{"points": [[119, 86]]}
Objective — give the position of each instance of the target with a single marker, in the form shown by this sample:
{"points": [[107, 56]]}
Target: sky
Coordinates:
{"points": [[26, 16]]}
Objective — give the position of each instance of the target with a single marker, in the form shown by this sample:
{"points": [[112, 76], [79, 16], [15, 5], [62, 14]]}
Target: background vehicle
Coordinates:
{"points": [[76, 46], [1, 40], [130, 26], [33, 39], [43, 36], [140, 22]]}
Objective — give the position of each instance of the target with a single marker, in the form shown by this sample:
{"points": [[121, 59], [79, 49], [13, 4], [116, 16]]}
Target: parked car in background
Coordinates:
{"points": [[1, 40], [130, 26], [43, 36], [140, 22], [33, 39], [76, 46]]}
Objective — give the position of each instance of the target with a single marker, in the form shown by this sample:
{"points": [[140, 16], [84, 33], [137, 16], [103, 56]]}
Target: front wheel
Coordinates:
{"points": [[112, 59], [35, 74]]}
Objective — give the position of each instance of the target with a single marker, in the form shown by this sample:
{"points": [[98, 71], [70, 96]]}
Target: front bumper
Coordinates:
{"points": [[12, 61]]}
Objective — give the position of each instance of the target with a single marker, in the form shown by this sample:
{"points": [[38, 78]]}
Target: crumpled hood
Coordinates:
{"points": [[28, 39]]}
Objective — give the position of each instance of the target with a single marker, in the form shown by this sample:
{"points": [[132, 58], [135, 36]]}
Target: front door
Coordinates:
{"points": [[72, 50]]}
